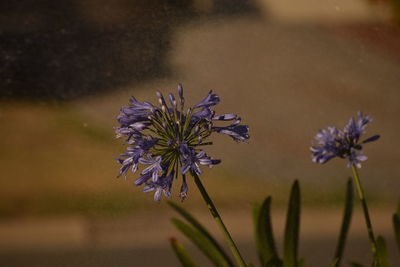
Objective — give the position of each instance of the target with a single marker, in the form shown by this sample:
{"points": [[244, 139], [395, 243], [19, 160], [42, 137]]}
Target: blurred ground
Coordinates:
{"points": [[286, 73], [80, 241]]}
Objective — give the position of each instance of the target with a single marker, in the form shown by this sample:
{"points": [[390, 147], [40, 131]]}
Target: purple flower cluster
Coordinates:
{"points": [[332, 142], [166, 140]]}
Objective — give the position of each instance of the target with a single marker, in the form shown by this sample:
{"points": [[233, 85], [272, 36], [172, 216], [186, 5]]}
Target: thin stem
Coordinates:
{"points": [[231, 244], [361, 195]]}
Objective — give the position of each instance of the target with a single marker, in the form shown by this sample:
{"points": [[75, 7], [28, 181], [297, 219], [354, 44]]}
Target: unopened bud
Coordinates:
{"points": [[172, 100]]}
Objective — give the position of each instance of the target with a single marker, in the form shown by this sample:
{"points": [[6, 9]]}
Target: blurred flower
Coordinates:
{"points": [[332, 142], [165, 139]]}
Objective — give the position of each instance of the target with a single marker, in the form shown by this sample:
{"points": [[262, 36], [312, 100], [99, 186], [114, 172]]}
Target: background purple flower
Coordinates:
{"points": [[332, 142]]}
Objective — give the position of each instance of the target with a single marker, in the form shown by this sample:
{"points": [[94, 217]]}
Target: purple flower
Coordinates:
{"points": [[144, 178], [203, 114], [164, 140], [180, 93], [172, 100], [154, 168], [239, 133], [326, 147], [332, 142], [355, 157], [141, 109], [128, 132], [162, 185], [356, 127], [184, 188], [225, 117], [210, 100], [126, 119], [133, 154], [191, 160]]}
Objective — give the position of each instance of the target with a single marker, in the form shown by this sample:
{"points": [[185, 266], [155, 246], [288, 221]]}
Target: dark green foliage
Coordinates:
{"points": [[292, 228], [203, 243], [348, 210], [265, 242], [396, 9], [301, 263], [181, 253], [200, 228], [396, 226], [264, 235], [381, 253]]}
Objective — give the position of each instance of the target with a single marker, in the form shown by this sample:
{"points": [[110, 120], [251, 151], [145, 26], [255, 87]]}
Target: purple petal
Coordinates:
{"points": [[210, 100], [225, 117], [371, 139]]}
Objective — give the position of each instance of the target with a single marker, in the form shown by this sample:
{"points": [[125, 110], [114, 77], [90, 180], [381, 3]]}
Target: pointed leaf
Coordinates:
{"points": [[264, 235], [381, 253], [203, 243], [181, 253], [301, 263], [396, 226], [335, 262], [197, 225], [398, 209], [348, 210], [292, 228]]}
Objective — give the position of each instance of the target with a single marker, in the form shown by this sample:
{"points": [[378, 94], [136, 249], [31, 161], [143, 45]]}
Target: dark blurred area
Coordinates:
{"points": [[69, 48]]}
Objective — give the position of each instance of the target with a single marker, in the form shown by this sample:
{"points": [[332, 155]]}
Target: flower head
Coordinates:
{"points": [[166, 140], [332, 142]]}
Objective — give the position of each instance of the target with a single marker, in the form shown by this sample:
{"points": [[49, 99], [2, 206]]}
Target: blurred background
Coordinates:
{"points": [[288, 68]]}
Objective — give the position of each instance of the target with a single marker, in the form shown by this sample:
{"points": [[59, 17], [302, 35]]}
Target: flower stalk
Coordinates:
{"points": [[214, 212], [367, 218], [346, 143], [167, 142]]}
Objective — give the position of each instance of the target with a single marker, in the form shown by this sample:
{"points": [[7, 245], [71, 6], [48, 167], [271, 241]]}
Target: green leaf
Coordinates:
{"points": [[301, 263], [203, 243], [264, 235], [396, 226], [348, 210], [355, 264], [197, 225], [381, 252], [292, 228], [181, 253]]}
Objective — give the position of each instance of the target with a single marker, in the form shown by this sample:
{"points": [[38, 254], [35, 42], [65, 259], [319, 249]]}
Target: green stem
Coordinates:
{"points": [[231, 244], [361, 195]]}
